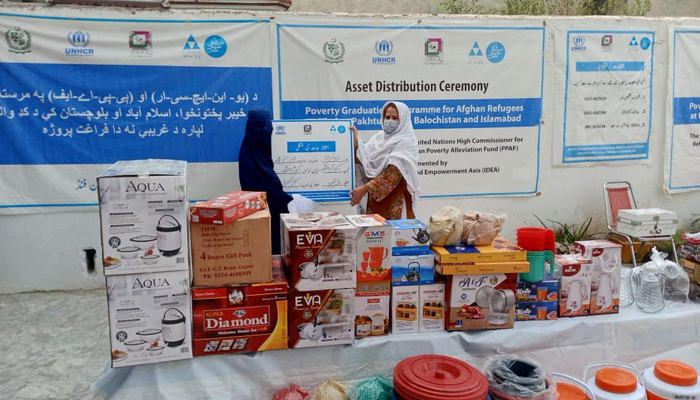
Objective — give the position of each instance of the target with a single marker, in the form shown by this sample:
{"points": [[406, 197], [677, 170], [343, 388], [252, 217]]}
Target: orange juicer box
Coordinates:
{"points": [[536, 310], [318, 250], [228, 207], [606, 260], [372, 305], [321, 318], [545, 290], [574, 285], [500, 251], [432, 305], [405, 309], [374, 242], [477, 302]]}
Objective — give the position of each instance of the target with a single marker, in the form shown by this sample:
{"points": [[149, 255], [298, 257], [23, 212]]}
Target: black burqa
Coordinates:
{"points": [[256, 169]]}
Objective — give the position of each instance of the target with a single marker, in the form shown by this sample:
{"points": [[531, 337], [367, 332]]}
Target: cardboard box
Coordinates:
{"points": [[471, 299], [576, 273], [536, 311], [626, 253], [545, 290], [692, 268], [143, 217], [321, 318], [606, 260], [149, 318], [432, 303], [234, 253], [413, 269], [507, 267], [500, 250], [374, 241], [319, 251], [240, 319], [372, 305], [405, 309], [409, 234], [228, 208]]}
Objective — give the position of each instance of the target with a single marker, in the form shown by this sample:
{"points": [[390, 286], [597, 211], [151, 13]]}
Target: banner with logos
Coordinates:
{"points": [[683, 119], [77, 94], [474, 91], [607, 112]]}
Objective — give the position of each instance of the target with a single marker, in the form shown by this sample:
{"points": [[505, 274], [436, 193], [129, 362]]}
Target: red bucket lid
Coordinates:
{"points": [[433, 377]]}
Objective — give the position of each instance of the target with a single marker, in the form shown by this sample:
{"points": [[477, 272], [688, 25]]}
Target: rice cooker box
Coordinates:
{"points": [[143, 217], [409, 234], [405, 306], [606, 262], [644, 222], [233, 253], [372, 309], [485, 301], [319, 251], [574, 285], [321, 318], [413, 269], [149, 317], [432, 306], [374, 243], [240, 319], [228, 208]]}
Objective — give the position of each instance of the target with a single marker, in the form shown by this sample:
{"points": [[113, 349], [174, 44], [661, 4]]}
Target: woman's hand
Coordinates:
{"points": [[357, 195], [355, 138]]}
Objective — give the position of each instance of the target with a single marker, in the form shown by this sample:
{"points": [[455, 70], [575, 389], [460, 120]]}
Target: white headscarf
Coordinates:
{"points": [[399, 149]]}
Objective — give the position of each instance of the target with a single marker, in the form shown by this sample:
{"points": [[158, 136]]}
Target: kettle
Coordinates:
{"points": [[413, 275], [169, 235], [422, 236], [174, 327]]}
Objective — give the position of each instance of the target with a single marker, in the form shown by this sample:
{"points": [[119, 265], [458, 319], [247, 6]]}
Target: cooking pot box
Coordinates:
{"points": [[321, 318]]}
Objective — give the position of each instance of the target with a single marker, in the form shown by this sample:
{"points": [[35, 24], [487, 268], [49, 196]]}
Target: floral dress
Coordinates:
{"points": [[388, 194]]}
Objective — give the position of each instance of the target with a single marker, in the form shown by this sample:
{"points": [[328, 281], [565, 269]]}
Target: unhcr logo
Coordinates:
{"points": [[79, 42], [384, 48]]}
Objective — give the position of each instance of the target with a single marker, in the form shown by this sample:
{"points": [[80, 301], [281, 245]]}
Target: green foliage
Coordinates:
{"points": [[696, 222], [461, 7], [568, 233], [551, 7]]}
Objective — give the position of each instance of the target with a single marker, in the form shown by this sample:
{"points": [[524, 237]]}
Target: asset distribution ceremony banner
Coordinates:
{"points": [[474, 91], [77, 94]]}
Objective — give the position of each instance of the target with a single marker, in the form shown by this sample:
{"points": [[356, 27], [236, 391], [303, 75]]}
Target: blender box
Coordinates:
{"points": [[409, 234], [318, 251], [228, 208], [481, 301], [143, 217], [405, 306], [413, 269], [233, 253], [373, 247], [500, 250], [372, 305], [574, 285], [536, 311], [606, 261], [545, 290], [240, 319], [321, 318], [432, 304], [149, 317]]}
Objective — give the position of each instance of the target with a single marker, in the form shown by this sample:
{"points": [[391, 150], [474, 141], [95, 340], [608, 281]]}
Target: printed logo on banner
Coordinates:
{"points": [[192, 49], [476, 56], [633, 45], [334, 51], [433, 51], [579, 43], [215, 46], [645, 43], [79, 41], [384, 48], [279, 130], [140, 44], [606, 42], [307, 129], [18, 40], [495, 52]]}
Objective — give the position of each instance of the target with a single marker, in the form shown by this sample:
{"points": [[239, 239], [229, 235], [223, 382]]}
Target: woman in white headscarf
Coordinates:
{"points": [[388, 166]]}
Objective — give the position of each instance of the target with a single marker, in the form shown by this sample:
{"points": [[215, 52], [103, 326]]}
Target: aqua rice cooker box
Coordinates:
{"points": [[150, 317], [144, 213]]}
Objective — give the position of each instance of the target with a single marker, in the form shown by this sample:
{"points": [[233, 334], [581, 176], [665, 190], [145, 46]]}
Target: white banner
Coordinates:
{"points": [[475, 93], [607, 111]]}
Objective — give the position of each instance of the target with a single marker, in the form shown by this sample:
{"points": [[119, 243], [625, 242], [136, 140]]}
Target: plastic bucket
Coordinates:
{"points": [[671, 380], [615, 381], [433, 377]]}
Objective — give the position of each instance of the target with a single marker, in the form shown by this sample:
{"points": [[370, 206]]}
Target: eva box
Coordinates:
{"points": [[536, 311], [228, 208], [641, 222], [545, 290], [413, 269], [321, 318]]}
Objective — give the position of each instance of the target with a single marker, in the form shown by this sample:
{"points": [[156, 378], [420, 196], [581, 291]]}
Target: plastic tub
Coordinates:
{"points": [[615, 381], [671, 380], [433, 377]]}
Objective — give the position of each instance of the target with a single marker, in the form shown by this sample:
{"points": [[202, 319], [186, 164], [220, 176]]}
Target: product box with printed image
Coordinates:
{"points": [[144, 211], [467, 268], [374, 241], [372, 305], [574, 285], [479, 302], [149, 317], [432, 304], [692, 268], [240, 319], [233, 253], [606, 261], [413, 269], [319, 251], [536, 310], [545, 290], [321, 318], [228, 207], [409, 234], [500, 250], [405, 309]]}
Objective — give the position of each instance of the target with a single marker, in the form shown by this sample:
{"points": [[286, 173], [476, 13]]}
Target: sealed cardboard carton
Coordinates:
{"points": [[409, 234], [413, 269], [321, 318], [373, 247], [536, 311], [545, 290], [228, 208], [372, 305], [500, 250], [606, 261], [503, 267], [574, 285], [405, 309], [432, 304], [479, 302]]}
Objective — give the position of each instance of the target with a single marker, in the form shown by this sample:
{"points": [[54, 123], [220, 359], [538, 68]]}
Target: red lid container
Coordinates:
{"points": [[433, 377]]}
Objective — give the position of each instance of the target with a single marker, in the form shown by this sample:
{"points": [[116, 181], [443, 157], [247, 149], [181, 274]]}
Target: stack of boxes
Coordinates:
{"points": [[537, 301], [689, 256]]}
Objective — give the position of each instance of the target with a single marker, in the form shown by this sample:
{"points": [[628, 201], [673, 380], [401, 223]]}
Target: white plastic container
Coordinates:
{"points": [[642, 222], [615, 381], [671, 380], [570, 388]]}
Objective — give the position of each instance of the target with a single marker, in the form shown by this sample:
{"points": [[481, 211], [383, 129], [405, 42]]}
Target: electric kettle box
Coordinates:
{"points": [[409, 234], [481, 301], [545, 290], [149, 317], [319, 251], [321, 318], [432, 308], [536, 310], [144, 210], [233, 253], [374, 242], [372, 305], [413, 269], [240, 319], [228, 207], [606, 262], [500, 250], [405, 309], [645, 222], [574, 285]]}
